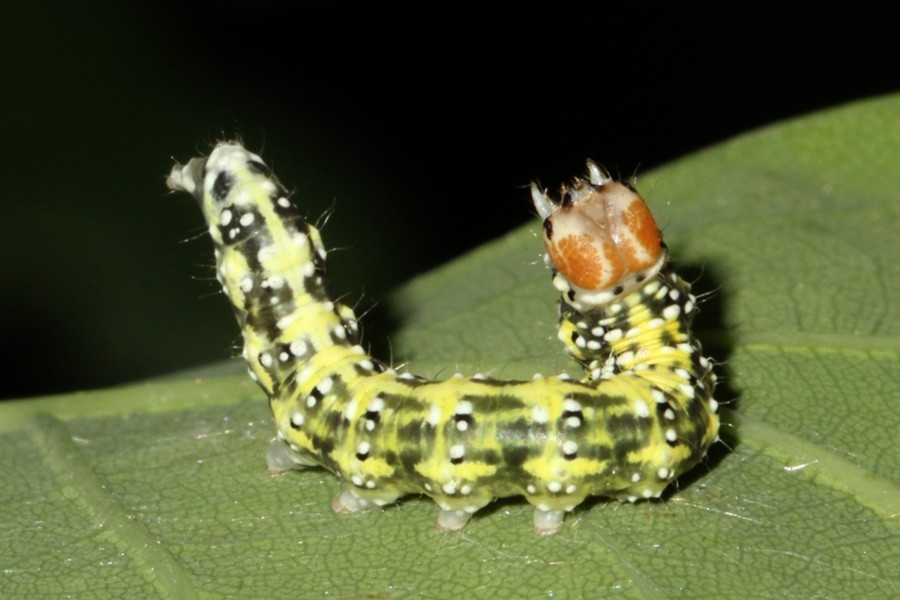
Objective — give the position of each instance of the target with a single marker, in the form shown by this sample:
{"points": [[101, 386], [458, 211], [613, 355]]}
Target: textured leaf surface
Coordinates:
{"points": [[160, 489]]}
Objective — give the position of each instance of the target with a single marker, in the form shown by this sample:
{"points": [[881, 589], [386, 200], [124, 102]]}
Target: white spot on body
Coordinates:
{"points": [[571, 405], [434, 415], [687, 390], [464, 407], [625, 358], [325, 386], [613, 335], [350, 409], [298, 348], [286, 321], [641, 410], [275, 282], [655, 323]]}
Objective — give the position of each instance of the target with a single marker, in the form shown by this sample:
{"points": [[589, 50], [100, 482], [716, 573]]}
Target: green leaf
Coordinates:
{"points": [[160, 489]]}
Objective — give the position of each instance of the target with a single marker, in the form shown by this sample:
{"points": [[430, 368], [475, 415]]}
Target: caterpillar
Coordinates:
{"points": [[643, 414]]}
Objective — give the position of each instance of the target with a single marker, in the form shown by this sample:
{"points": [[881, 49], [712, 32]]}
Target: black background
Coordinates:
{"points": [[418, 129]]}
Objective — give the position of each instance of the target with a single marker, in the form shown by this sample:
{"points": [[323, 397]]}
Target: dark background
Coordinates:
{"points": [[419, 131]]}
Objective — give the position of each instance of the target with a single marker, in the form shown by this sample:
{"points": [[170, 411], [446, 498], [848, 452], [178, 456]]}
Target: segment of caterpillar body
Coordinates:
{"points": [[643, 414]]}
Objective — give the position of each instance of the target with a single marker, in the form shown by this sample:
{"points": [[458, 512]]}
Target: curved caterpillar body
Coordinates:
{"points": [[643, 414]]}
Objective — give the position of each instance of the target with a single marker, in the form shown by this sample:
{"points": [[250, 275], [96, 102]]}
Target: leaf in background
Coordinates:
{"points": [[160, 489]]}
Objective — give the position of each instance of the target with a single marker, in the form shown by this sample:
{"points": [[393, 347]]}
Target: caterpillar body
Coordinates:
{"points": [[643, 414]]}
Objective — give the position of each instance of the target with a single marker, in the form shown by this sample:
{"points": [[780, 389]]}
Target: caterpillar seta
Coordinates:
{"points": [[642, 415]]}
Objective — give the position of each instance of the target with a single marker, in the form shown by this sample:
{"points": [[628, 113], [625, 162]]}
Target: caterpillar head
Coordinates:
{"points": [[600, 238]]}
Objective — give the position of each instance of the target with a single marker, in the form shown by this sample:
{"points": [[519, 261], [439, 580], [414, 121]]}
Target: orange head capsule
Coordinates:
{"points": [[601, 237]]}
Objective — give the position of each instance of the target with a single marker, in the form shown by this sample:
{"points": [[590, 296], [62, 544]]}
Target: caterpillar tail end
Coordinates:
{"points": [[548, 522], [187, 178]]}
